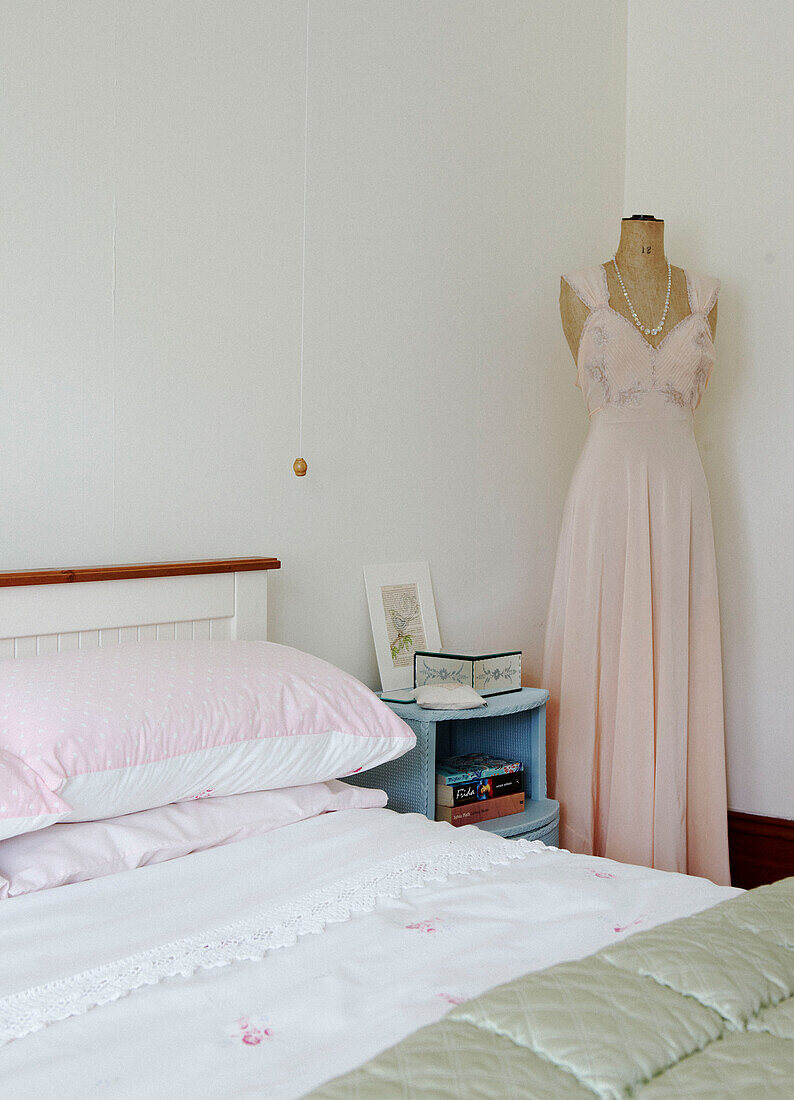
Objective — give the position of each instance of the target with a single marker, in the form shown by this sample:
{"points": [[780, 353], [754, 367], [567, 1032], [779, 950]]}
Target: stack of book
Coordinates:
{"points": [[477, 787]]}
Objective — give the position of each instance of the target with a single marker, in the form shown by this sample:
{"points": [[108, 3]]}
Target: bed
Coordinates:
{"points": [[270, 965]]}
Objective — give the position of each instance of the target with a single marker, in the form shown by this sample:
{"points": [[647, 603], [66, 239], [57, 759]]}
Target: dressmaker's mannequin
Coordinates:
{"points": [[643, 268], [632, 656]]}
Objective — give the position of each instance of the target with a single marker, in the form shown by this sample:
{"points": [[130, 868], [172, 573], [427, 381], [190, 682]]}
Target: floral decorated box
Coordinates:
{"points": [[487, 673]]}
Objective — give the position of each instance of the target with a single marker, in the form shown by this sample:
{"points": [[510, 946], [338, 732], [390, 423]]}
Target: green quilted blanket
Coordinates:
{"points": [[699, 1007]]}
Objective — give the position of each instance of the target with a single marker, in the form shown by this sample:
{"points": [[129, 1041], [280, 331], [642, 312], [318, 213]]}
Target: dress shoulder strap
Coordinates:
{"points": [[589, 284], [702, 291]]}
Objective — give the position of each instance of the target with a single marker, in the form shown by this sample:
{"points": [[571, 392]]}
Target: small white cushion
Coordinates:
{"points": [[448, 697]]}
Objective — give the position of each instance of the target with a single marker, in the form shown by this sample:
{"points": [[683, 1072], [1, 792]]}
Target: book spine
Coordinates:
{"points": [[475, 812], [460, 794], [479, 773]]}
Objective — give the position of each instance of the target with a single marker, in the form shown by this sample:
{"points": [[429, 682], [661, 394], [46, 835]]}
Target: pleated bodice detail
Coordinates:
{"points": [[617, 367]]}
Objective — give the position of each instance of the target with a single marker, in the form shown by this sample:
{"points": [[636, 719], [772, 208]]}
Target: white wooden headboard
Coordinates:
{"points": [[49, 610]]}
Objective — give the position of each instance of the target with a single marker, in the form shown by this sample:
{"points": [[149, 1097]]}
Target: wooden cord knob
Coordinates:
{"points": [[300, 467]]}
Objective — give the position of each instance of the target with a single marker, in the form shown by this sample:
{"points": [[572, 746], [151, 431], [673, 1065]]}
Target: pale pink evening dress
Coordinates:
{"points": [[632, 658]]}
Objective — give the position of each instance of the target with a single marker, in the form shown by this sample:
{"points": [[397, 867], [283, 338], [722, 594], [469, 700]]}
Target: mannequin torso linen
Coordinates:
{"points": [[643, 268]]}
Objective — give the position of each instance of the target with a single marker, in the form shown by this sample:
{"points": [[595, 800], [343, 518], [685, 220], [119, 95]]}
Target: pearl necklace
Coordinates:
{"points": [[637, 321]]}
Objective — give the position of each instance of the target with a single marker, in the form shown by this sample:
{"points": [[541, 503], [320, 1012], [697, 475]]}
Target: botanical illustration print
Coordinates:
{"points": [[404, 625]]}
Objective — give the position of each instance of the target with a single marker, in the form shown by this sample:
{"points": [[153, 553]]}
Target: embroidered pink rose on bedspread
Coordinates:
{"points": [[452, 998], [250, 1030], [632, 924], [431, 925]]}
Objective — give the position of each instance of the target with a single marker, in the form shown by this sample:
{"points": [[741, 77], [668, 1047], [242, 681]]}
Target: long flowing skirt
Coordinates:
{"points": [[632, 658]]}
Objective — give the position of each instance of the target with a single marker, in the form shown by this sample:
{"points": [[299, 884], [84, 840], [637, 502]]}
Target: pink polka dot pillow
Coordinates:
{"points": [[98, 733]]}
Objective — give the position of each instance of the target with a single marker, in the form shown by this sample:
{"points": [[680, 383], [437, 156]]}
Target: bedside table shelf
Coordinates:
{"points": [[539, 821], [512, 726]]}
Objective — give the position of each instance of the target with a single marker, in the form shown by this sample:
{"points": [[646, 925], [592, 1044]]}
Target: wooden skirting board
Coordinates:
{"points": [[761, 848]]}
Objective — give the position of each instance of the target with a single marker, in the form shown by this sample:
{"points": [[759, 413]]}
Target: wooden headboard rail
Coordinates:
{"points": [[130, 572]]}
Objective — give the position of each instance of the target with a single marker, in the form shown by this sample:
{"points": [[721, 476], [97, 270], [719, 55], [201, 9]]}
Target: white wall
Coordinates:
{"points": [[710, 148], [462, 155]]}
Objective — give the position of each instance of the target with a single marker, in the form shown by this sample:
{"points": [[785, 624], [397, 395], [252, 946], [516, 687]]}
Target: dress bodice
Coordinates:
{"points": [[618, 367]]}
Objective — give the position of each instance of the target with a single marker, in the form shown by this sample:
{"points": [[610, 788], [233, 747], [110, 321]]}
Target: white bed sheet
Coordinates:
{"points": [[408, 918]]}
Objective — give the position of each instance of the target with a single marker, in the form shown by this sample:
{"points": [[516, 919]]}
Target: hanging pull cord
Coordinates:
{"points": [[299, 465]]}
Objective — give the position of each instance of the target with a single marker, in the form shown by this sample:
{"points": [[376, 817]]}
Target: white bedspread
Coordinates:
{"points": [[265, 967]]}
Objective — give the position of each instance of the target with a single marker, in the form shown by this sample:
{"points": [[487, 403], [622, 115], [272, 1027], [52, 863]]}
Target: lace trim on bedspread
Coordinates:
{"points": [[251, 938]]}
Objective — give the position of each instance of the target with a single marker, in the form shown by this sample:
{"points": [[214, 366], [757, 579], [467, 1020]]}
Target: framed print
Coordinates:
{"points": [[403, 616]]}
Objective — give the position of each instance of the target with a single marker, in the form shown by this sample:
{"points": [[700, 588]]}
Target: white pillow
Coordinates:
{"points": [[76, 851]]}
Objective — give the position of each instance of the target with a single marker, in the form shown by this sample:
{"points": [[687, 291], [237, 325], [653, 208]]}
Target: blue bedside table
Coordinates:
{"points": [[512, 726]]}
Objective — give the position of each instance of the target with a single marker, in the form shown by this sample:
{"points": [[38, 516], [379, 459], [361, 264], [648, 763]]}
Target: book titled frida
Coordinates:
{"points": [[472, 766], [479, 790]]}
